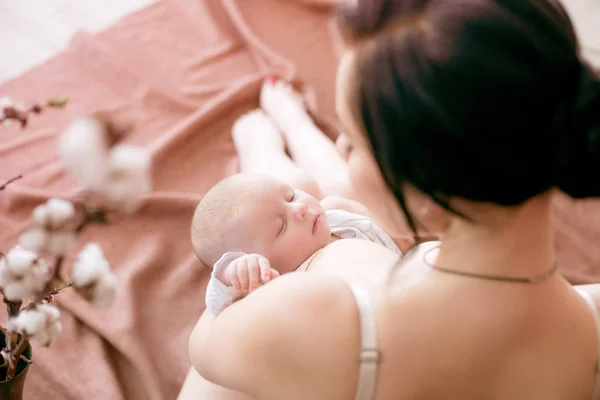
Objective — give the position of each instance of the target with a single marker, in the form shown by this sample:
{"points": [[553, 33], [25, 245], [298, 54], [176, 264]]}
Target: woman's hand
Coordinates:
{"points": [[246, 273]]}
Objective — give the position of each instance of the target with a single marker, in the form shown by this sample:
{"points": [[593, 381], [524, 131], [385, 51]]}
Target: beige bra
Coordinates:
{"points": [[370, 355]]}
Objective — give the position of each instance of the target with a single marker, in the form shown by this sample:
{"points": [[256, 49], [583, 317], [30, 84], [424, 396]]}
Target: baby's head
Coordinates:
{"points": [[255, 213]]}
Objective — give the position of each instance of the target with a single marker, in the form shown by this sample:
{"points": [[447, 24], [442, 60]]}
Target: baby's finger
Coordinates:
{"points": [[274, 273], [253, 273], [233, 276], [265, 269], [242, 274]]}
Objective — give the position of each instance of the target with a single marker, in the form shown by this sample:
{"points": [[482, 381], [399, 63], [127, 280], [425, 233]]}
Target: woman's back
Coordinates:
{"points": [[475, 339], [453, 337]]}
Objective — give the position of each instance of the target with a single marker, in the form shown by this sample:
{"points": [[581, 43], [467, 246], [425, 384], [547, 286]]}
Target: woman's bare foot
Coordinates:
{"points": [[311, 149], [255, 130], [284, 105], [261, 150]]}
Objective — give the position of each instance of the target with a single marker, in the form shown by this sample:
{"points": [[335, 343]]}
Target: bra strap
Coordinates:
{"points": [[369, 355], [590, 302]]}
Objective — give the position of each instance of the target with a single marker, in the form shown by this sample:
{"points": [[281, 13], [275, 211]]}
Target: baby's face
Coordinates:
{"points": [[285, 225]]}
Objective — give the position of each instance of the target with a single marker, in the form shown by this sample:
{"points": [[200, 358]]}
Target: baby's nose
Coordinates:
{"points": [[300, 210]]}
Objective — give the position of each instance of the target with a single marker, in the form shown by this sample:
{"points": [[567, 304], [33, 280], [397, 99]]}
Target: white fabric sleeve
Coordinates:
{"points": [[347, 225], [218, 295]]}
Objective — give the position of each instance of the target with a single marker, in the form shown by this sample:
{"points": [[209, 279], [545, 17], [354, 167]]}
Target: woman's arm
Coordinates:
{"points": [[257, 344], [272, 343], [196, 387]]}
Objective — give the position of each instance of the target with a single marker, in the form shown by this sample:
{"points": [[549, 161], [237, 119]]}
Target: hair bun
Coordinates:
{"points": [[368, 15], [580, 163]]}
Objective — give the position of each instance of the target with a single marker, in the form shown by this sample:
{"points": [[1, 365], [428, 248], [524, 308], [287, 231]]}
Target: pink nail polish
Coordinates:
{"points": [[272, 79]]}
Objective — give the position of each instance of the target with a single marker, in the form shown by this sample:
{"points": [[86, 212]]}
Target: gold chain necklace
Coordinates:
{"points": [[531, 280]]}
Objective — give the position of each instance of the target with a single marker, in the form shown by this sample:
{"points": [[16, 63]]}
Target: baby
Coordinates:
{"points": [[251, 228]]}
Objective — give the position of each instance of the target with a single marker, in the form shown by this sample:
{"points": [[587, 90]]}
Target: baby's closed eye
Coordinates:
{"points": [[282, 226], [293, 196]]}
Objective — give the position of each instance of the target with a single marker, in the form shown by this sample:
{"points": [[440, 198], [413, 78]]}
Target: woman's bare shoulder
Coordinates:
{"points": [[369, 264], [348, 256]]}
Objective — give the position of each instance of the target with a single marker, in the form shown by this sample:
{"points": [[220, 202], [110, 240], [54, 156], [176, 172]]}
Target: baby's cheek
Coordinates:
{"points": [[299, 251], [285, 258]]}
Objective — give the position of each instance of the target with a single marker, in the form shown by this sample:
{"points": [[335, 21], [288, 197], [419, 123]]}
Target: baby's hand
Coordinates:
{"points": [[245, 273]]}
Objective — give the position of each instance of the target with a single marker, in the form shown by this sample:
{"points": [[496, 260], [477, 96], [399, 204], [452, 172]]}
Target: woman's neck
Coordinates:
{"points": [[515, 242]]}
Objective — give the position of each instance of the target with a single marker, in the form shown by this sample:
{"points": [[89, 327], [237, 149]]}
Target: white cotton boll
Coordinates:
{"points": [[5, 275], [51, 313], [91, 275], [105, 291], [60, 243], [54, 330], [40, 215], [128, 177], [41, 323], [26, 286], [125, 193], [6, 102], [52, 326], [83, 146], [28, 322], [84, 274], [22, 274], [128, 159], [15, 291], [32, 321], [54, 213], [92, 251], [20, 260], [34, 239], [60, 211], [90, 266], [41, 274], [48, 231], [35, 280]]}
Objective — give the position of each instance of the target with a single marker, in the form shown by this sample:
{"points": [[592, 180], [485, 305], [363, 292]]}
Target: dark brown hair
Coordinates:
{"points": [[486, 100]]}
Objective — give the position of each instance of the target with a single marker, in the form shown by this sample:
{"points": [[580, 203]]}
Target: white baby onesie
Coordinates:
{"points": [[343, 224]]}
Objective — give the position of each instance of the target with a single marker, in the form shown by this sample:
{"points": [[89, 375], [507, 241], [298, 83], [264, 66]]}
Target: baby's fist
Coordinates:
{"points": [[247, 272]]}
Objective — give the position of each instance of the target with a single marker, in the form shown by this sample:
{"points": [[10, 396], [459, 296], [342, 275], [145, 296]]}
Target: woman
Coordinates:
{"points": [[462, 117]]}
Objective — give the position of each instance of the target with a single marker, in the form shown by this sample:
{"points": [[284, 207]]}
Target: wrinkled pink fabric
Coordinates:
{"points": [[184, 71]]}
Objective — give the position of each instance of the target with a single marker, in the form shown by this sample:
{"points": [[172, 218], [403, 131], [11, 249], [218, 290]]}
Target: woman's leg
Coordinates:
{"points": [[261, 150], [309, 147]]}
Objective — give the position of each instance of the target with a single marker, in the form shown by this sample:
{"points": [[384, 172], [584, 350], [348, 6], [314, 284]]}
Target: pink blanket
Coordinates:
{"points": [[184, 70]]}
